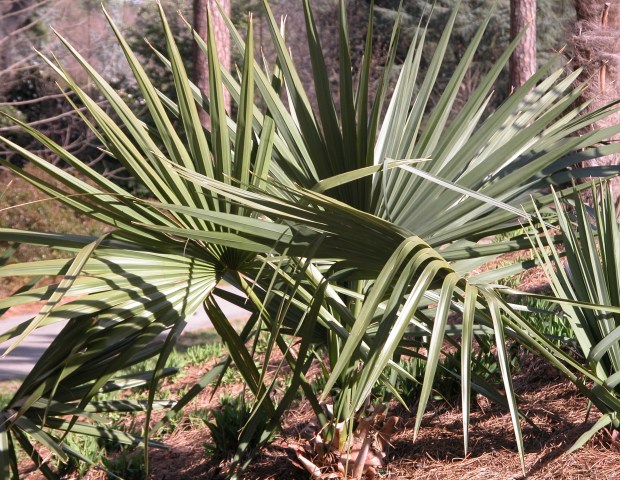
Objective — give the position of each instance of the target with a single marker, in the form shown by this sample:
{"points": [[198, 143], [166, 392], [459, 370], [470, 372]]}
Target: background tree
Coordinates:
{"points": [[596, 46], [550, 28], [204, 9], [29, 92], [83, 24], [523, 59]]}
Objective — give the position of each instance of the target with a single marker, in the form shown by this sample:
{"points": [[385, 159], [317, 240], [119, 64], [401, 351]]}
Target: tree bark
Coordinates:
{"points": [[596, 43], [222, 39], [523, 59]]}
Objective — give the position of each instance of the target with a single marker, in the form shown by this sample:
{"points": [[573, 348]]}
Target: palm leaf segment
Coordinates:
{"points": [[585, 273], [241, 200]]}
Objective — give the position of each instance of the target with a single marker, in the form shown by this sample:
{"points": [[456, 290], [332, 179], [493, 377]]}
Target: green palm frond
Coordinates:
{"points": [[349, 228], [585, 273]]}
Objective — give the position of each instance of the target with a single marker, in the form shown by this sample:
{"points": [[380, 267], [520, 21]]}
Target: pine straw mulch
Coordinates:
{"points": [[551, 402]]}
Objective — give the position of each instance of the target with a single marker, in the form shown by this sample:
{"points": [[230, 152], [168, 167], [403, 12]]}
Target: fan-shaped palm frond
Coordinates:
{"points": [[347, 228], [585, 273]]}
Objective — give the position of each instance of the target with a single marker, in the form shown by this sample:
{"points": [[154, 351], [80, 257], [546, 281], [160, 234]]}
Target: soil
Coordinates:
{"points": [[551, 402]]}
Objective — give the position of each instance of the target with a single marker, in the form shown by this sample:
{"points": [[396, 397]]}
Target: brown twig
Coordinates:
{"points": [[603, 70]]}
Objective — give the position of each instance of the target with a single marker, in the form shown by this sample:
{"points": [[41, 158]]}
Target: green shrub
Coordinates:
{"points": [[344, 226], [87, 447], [584, 276], [199, 354], [226, 424], [128, 464]]}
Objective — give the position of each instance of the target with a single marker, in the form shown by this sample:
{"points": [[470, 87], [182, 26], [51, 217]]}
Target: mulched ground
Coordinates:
{"points": [[551, 402]]}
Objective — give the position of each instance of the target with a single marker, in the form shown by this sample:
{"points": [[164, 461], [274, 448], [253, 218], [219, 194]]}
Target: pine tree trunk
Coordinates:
{"points": [[222, 39], [596, 44], [523, 59]]}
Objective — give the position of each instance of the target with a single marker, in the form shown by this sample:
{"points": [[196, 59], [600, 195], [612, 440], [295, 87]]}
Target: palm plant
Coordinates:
{"points": [[338, 241], [586, 272]]}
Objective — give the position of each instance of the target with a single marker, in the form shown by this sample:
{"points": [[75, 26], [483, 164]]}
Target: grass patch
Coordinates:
{"points": [[7, 390], [228, 420], [207, 336]]}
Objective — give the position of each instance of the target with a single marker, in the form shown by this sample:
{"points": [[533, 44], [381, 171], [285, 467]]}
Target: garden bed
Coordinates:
{"points": [[551, 402]]}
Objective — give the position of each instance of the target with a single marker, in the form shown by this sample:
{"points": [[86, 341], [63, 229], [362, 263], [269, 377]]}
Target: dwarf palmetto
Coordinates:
{"points": [[349, 229]]}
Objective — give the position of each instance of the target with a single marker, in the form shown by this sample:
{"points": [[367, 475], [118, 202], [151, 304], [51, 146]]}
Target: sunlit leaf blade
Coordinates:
{"points": [[583, 439], [243, 141], [63, 287], [217, 113], [37, 434], [435, 346], [297, 94], [471, 294], [343, 251], [327, 110], [346, 91], [350, 176], [504, 364], [187, 106]]}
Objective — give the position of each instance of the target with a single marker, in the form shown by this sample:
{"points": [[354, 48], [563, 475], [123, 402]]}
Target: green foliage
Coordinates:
{"points": [[127, 464], [193, 355], [484, 368], [87, 447], [5, 398], [349, 229], [227, 424], [585, 275], [542, 314], [198, 419], [547, 318], [12, 111], [231, 375], [199, 354], [146, 36], [174, 423]]}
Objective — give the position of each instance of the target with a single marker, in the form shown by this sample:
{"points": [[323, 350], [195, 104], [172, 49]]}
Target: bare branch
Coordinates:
{"points": [[44, 98], [14, 67], [18, 31], [36, 5], [17, 128]]}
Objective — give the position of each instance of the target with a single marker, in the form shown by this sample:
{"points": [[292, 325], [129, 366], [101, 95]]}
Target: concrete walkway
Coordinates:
{"points": [[21, 360]]}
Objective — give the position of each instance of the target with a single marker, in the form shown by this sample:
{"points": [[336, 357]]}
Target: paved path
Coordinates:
{"points": [[19, 362]]}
